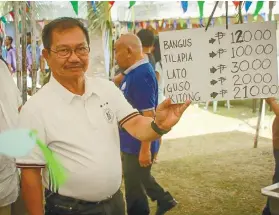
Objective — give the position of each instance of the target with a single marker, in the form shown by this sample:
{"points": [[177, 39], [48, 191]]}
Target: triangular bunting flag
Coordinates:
{"points": [[94, 6], [12, 15], [3, 19], [220, 4], [236, 3], [201, 4], [258, 8], [184, 5], [131, 4], [181, 21], [247, 5], [111, 3], [75, 6]]}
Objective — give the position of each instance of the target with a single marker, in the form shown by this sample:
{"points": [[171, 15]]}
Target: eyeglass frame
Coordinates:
{"points": [[71, 52]]}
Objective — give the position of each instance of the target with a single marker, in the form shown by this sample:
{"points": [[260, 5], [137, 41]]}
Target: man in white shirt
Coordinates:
{"points": [[78, 118], [10, 101]]}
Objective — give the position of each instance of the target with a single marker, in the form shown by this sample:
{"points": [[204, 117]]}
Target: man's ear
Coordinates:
{"points": [[130, 51]]}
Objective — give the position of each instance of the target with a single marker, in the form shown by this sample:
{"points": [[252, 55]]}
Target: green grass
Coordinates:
{"points": [[219, 184]]}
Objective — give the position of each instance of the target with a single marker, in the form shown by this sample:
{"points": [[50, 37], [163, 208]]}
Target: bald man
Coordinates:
{"points": [[140, 88], [147, 40]]}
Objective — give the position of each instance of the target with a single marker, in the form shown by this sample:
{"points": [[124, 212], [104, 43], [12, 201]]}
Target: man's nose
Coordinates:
{"points": [[73, 57]]}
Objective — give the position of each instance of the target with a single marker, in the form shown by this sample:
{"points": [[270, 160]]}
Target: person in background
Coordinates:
{"points": [[10, 103], [147, 40], [29, 57], [3, 51], [160, 79], [29, 53], [45, 71], [140, 88], [11, 54], [275, 139]]}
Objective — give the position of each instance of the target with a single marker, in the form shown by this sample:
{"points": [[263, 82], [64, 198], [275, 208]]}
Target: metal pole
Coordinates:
{"points": [[33, 45], [211, 15], [227, 14], [16, 7], [240, 12], [23, 49]]}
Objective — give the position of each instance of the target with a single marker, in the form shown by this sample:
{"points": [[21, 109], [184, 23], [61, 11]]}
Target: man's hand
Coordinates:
{"points": [[167, 114], [270, 100], [145, 155]]}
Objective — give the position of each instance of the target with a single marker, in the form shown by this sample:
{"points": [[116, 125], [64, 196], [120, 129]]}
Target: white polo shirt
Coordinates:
{"points": [[83, 132], [10, 101]]}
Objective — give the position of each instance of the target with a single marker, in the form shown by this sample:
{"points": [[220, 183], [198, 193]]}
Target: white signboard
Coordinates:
{"points": [[220, 64]]}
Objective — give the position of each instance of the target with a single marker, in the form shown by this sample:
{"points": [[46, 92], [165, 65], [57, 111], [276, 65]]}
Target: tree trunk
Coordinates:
{"points": [[98, 49]]}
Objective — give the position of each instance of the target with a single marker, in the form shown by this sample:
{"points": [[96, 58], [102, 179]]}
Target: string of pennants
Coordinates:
{"points": [[247, 5], [182, 23], [4, 18]]}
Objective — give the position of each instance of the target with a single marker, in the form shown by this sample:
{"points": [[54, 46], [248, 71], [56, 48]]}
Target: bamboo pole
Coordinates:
{"points": [[33, 45], [23, 43], [16, 7]]}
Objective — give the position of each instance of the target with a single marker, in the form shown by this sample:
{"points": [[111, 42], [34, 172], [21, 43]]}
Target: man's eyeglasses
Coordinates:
{"points": [[67, 52]]}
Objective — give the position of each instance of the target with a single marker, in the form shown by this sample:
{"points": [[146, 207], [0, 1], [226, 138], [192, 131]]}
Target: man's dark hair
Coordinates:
{"points": [[61, 24], [157, 50], [10, 38], [28, 34], [146, 37]]}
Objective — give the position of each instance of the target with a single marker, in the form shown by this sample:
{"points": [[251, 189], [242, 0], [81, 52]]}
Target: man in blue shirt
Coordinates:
{"points": [[140, 88]]}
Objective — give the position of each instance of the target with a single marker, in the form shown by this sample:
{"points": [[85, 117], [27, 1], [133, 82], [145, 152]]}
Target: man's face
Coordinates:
{"points": [[74, 65], [28, 39], [121, 55], [7, 41]]}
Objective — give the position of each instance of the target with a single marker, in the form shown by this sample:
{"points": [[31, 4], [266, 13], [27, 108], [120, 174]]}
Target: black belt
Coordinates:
{"points": [[52, 195]]}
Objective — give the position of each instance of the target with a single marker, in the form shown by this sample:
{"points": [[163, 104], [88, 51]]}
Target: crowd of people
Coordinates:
{"points": [[97, 128], [8, 56]]}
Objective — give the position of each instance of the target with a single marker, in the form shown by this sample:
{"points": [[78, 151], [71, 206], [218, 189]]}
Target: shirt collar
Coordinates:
{"points": [[68, 95], [137, 64]]}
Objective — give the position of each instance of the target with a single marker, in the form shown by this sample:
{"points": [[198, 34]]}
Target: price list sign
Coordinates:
{"points": [[220, 64]]}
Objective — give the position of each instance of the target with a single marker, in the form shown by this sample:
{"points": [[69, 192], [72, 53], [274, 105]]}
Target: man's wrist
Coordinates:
{"points": [[162, 127], [160, 130], [145, 146]]}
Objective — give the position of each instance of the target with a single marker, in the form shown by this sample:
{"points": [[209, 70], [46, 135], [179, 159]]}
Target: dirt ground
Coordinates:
{"points": [[215, 174], [209, 164]]}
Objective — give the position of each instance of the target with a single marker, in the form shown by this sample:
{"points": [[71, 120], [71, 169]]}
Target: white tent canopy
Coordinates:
{"points": [[156, 10]]}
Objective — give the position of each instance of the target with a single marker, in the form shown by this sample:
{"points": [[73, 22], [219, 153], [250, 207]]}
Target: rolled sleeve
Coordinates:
{"points": [[35, 158]]}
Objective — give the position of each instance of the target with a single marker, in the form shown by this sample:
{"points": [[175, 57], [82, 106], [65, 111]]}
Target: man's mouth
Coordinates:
{"points": [[74, 67]]}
